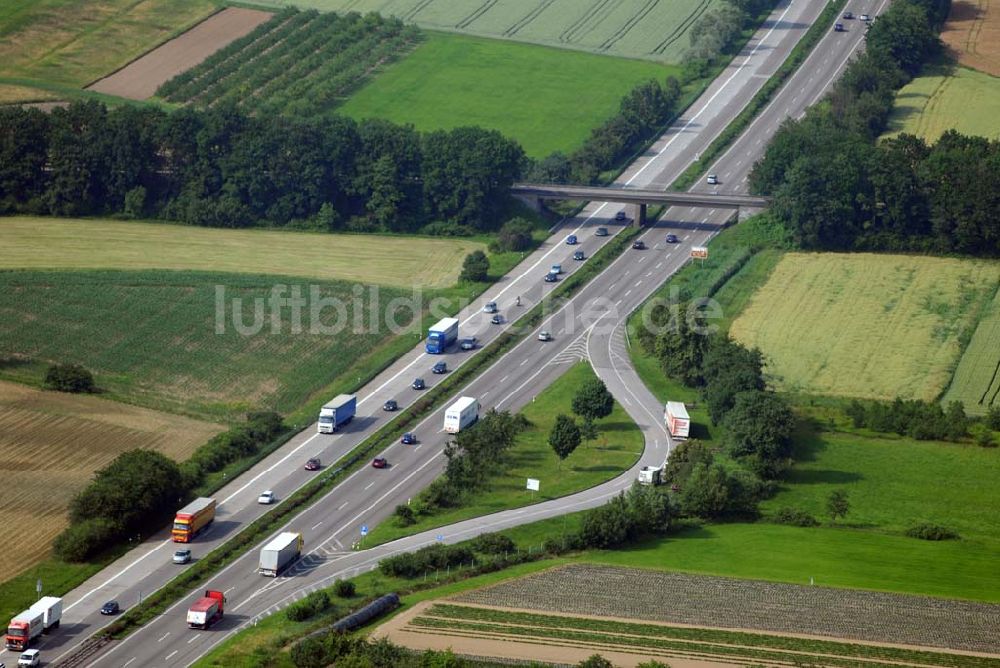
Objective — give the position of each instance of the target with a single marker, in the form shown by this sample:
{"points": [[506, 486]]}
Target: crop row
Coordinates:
{"points": [[810, 645]]}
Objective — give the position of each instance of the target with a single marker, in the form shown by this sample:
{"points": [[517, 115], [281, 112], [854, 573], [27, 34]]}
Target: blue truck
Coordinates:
{"points": [[442, 335], [337, 412]]}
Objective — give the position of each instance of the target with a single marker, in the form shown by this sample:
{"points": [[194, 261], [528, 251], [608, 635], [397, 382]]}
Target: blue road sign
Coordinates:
{"points": [[364, 529]]}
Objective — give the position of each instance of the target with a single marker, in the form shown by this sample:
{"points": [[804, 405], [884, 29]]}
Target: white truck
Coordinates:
{"points": [[676, 417], [279, 553], [461, 414], [650, 475], [337, 412], [40, 618]]}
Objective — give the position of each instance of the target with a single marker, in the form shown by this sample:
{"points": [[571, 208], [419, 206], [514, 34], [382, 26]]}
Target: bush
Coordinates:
{"points": [[312, 605], [795, 517], [493, 543], [82, 540], [344, 588], [430, 558], [927, 531], [69, 378], [515, 235], [476, 267], [993, 418], [405, 516]]}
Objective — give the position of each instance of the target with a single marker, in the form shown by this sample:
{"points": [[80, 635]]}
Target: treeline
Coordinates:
{"points": [[223, 168], [924, 420], [835, 188], [642, 114], [717, 32], [298, 63], [140, 490]]}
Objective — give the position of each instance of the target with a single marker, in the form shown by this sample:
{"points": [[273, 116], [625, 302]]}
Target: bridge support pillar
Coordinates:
{"points": [[640, 218]]}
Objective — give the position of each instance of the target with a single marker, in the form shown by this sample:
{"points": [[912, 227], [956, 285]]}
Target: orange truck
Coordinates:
{"points": [[192, 518], [206, 610]]}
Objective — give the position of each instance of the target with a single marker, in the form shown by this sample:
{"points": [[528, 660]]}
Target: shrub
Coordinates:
{"points": [[344, 588], [82, 540], [927, 531], [430, 558], [476, 267], [493, 543], [515, 235], [69, 378], [405, 516], [795, 517], [312, 605], [993, 418]]}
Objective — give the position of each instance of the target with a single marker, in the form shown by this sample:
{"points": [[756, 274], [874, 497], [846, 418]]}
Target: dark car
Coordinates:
{"points": [[313, 464], [838, 27], [409, 438], [579, 256], [418, 384], [672, 239], [390, 405], [497, 319], [110, 608], [469, 343], [620, 216], [601, 232], [380, 463], [571, 240], [638, 244], [490, 307], [551, 277], [440, 367], [848, 15]]}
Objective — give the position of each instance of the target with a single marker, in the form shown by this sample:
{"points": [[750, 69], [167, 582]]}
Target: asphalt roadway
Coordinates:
{"points": [[589, 327]]}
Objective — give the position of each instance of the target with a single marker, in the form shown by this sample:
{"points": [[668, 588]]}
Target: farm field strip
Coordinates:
{"points": [[972, 34], [649, 29], [977, 379], [51, 444], [944, 98], [628, 593], [66, 243], [866, 325]]}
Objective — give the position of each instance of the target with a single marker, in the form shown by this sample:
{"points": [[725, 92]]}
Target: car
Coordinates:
{"points": [[838, 27], [571, 240], [313, 464], [266, 497], [848, 15], [409, 438], [551, 278], [556, 269], [638, 244], [620, 216], [390, 405], [490, 307], [380, 463], [497, 319], [544, 336], [469, 343], [601, 232], [182, 556], [713, 180], [865, 17], [110, 608], [579, 255], [418, 384], [29, 658], [440, 367], [672, 239]]}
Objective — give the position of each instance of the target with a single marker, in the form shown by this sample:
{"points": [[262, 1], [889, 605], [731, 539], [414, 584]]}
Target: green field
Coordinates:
{"points": [[65, 243], [947, 97], [151, 338], [616, 448], [451, 80], [73, 43], [864, 325], [630, 28], [976, 382]]}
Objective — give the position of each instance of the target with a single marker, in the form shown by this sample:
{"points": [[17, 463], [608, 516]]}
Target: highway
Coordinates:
{"points": [[588, 327]]}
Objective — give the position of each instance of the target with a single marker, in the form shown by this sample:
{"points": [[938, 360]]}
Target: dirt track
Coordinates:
{"points": [[140, 79], [972, 33]]}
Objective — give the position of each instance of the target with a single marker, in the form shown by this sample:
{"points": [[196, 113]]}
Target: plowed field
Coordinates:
{"points": [[972, 33]]}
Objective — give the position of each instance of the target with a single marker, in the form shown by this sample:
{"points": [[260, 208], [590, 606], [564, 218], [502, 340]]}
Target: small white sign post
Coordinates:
{"points": [[532, 485]]}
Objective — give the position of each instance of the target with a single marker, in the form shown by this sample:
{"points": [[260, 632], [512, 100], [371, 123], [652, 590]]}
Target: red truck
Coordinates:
{"points": [[206, 610]]}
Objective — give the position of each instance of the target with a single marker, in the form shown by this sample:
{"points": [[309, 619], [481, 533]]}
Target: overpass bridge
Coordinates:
{"points": [[640, 198]]}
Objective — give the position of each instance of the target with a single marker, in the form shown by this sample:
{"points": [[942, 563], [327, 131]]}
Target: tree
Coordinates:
{"points": [[955, 421], [69, 378], [728, 369], [595, 661], [993, 418], [476, 267], [593, 401], [515, 235], [837, 504], [564, 437], [759, 429], [588, 429]]}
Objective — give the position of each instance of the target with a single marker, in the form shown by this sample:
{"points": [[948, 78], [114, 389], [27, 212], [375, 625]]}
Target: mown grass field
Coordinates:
{"points": [[452, 80], [976, 382], [616, 448], [865, 325], [630, 28], [64, 243], [73, 43], [947, 97], [151, 337], [50, 445]]}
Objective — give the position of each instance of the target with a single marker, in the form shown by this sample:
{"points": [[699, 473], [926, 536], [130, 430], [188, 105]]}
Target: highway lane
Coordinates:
{"points": [[146, 568]]}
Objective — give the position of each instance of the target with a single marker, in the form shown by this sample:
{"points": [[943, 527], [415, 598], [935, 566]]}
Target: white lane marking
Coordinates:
{"points": [[503, 379], [164, 637], [128, 662], [170, 655], [193, 638], [524, 362], [639, 282], [368, 486], [628, 293], [343, 505], [316, 526], [618, 303], [228, 590], [658, 265], [418, 447]]}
